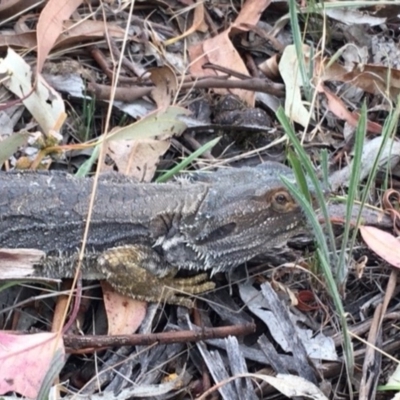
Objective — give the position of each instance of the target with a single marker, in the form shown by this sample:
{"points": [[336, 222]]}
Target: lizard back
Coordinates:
{"points": [[48, 210]]}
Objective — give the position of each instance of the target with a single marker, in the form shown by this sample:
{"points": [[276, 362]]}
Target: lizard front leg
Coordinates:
{"points": [[138, 271]]}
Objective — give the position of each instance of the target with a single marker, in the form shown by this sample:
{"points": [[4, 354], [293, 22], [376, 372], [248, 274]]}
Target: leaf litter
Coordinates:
{"points": [[178, 62]]}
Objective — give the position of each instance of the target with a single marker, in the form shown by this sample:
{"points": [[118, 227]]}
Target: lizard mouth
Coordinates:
{"points": [[217, 234]]}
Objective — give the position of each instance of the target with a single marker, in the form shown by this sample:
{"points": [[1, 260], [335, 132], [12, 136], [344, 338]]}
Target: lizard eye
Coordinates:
{"points": [[281, 201], [281, 198]]}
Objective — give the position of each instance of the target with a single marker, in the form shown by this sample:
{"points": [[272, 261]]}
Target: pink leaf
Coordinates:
{"points": [[382, 243], [25, 360], [124, 314]]}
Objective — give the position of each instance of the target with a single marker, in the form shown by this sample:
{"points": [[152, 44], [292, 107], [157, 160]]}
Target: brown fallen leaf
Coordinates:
{"points": [[166, 84], [250, 13], [337, 107], [137, 158], [50, 26], [73, 34], [270, 67], [374, 79], [86, 31], [11, 8], [26, 40], [220, 51]]}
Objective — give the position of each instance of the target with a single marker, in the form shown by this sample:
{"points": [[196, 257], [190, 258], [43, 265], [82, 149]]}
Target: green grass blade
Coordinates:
{"points": [[310, 215], [308, 167], [299, 174], [389, 130], [347, 345], [298, 43], [352, 193], [87, 166], [184, 163], [324, 167], [326, 254]]}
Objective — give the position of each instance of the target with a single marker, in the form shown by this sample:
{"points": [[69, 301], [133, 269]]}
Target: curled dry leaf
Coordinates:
{"points": [[374, 79], [87, 31], [291, 75], [26, 40], [293, 386], [270, 67], [73, 34], [350, 16]]}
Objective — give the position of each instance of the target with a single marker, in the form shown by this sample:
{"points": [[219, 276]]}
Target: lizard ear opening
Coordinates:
{"points": [[218, 233]]}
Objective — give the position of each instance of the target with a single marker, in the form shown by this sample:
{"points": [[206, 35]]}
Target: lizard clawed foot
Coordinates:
{"points": [[139, 272]]}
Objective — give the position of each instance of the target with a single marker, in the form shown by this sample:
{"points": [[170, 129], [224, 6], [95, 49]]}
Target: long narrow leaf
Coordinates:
{"points": [[298, 43], [347, 345], [352, 194], [310, 215], [326, 257], [183, 164], [319, 194]]}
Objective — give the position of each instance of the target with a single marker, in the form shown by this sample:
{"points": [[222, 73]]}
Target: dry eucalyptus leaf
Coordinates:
{"points": [[50, 26], [382, 243], [44, 103], [291, 75], [124, 314], [137, 158], [153, 124], [165, 83], [11, 144], [25, 360], [18, 263]]}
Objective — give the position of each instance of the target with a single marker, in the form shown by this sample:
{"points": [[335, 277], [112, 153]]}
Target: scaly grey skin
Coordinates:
{"points": [[208, 221]]}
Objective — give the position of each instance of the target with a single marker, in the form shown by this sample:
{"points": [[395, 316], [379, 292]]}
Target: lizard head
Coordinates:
{"points": [[245, 213]]}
